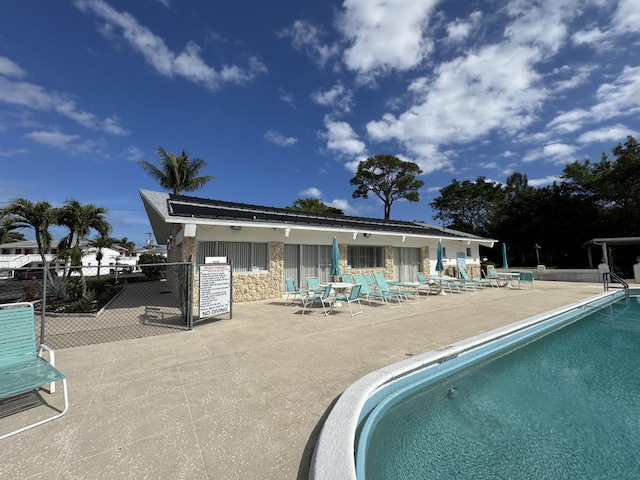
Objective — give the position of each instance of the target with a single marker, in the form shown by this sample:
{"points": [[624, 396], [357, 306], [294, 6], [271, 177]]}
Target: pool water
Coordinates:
{"points": [[564, 406]]}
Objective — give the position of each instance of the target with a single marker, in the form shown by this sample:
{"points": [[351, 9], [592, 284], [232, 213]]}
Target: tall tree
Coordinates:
{"points": [[388, 178], [80, 220], [613, 184], [469, 206], [177, 173], [128, 245], [7, 229], [100, 243], [314, 205], [39, 216]]}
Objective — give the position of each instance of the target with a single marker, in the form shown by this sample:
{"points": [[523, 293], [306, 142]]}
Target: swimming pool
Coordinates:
{"points": [[464, 422]]}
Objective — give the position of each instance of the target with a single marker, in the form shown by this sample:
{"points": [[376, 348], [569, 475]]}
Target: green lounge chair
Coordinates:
{"points": [[384, 286], [369, 293]]}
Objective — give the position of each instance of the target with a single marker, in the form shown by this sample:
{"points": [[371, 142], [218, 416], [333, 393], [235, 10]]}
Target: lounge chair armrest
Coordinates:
{"points": [[52, 354], [52, 361]]}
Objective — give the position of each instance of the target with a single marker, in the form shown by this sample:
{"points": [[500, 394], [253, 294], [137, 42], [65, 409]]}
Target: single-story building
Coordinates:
{"points": [[267, 245]]}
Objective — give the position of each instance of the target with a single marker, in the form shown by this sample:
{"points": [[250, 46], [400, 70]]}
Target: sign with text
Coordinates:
{"points": [[215, 290]]}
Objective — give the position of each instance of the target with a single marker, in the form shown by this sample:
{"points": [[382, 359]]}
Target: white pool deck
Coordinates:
{"points": [[243, 398]]}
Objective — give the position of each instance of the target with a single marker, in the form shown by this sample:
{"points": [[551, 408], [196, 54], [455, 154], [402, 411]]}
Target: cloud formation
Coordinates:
{"points": [[24, 94], [187, 64]]}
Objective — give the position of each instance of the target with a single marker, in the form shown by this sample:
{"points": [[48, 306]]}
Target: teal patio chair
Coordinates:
{"points": [[384, 286], [492, 276], [526, 277], [368, 279], [368, 293], [323, 300], [353, 297], [294, 291], [313, 284], [476, 281], [346, 278], [449, 283], [427, 285]]}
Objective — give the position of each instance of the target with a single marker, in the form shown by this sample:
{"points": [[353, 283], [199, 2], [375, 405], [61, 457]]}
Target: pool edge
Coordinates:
{"points": [[334, 453]]}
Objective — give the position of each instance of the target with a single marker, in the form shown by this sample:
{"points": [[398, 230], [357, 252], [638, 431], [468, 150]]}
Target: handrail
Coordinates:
{"points": [[608, 277]]}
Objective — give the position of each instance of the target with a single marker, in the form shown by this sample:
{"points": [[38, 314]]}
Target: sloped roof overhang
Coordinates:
{"points": [[164, 209]]}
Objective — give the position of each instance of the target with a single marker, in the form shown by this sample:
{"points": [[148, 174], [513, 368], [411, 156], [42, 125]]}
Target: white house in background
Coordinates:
{"points": [[25, 254], [267, 245]]}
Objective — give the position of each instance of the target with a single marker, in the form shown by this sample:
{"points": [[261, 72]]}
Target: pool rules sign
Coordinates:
{"points": [[215, 290]]}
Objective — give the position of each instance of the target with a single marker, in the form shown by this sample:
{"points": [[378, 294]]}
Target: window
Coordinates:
{"points": [[365, 257], [244, 256], [468, 252]]}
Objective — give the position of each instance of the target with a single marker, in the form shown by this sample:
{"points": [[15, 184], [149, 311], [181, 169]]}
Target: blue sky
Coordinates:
{"points": [[282, 99]]}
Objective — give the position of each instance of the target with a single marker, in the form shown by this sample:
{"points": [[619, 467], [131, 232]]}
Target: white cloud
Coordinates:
{"points": [[385, 35], [8, 68], [343, 205], [557, 153], [541, 182], [624, 20], [577, 77], [615, 133], [287, 98], [613, 99], [187, 64], [342, 138], [14, 152], [70, 144], [337, 96], [627, 16], [459, 30], [54, 139], [503, 87], [311, 192], [132, 153], [490, 89], [279, 139], [309, 38], [35, 97]]}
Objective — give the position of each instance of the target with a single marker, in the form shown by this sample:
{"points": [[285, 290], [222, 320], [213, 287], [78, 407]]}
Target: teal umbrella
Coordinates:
{"points": [[505, 264], [335, 259], [439, 266]]}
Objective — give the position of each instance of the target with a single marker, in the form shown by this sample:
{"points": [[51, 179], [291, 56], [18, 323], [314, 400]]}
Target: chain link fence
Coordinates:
{"points": [[86, 305]]}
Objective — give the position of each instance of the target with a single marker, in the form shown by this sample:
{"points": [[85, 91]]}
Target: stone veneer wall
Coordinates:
{"points": [[266, 285], [252, 286]]}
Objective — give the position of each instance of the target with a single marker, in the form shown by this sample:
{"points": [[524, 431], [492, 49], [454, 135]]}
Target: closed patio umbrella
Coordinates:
{"points": [[335, 259], [439, 266], [505, 264]]}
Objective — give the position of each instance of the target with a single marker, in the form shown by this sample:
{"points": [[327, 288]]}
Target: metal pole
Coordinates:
{"points": [[44, 303]]}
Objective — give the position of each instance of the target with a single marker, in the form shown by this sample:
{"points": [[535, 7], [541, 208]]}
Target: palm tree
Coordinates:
{"points": [[7, 227], [40, 216], [127, 245], [80, 220], [100, 243], [177, 173]]}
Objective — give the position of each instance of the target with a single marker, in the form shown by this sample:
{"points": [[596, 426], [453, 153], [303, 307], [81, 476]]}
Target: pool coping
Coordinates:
{"points": [[334, 453]]}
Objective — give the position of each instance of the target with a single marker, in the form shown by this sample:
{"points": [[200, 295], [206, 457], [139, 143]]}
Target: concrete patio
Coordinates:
{"points": [[242, 398]]}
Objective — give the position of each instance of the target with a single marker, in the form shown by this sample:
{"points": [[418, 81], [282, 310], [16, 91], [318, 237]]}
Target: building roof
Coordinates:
{"points": [[612, 241], [164, 209]]}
